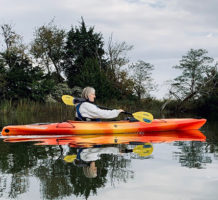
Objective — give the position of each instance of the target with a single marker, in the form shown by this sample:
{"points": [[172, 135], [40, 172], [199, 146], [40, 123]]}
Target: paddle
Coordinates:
{"points": [[143, 150], [140, 116], [70, 158]]}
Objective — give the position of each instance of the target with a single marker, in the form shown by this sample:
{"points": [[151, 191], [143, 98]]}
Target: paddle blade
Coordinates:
{"points": [[144, 150], [68, 100], [69, 158], [143, 117]]}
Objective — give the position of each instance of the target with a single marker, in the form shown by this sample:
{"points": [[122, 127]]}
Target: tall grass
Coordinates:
{"points": [[26, 111], [5, 107]]}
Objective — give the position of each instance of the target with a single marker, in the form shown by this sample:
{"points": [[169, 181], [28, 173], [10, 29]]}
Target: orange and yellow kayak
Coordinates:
{"points": [[112, 127]]}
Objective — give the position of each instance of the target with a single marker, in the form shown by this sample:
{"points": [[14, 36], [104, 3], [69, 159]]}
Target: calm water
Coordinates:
{"points": [[176, 165]]}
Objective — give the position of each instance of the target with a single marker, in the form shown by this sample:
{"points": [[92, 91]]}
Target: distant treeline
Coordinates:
{"points": [[58, 62]]}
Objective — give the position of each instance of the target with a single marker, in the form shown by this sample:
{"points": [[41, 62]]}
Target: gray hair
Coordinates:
{"points": [[87, 91]]}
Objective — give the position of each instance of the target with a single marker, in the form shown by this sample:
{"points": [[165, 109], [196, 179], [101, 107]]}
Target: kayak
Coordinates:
{"points": [[76, 141], [104, 127]]}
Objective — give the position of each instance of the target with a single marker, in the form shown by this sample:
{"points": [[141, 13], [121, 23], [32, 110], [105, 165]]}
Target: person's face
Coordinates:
{"points": [[92, 97], [93, 168]]}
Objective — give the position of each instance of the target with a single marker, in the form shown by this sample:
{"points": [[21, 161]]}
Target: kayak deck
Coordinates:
{"points": [[112, 127]]}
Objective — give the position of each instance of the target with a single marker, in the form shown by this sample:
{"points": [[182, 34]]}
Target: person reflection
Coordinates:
{"points": [[86, 157], [90, 171]]}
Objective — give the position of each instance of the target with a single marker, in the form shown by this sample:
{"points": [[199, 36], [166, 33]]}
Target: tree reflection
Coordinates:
{"points": [[19, 185], [58, 179], [117, 168], [17, 164], [212, 139], [192, 154], [62, 179]]}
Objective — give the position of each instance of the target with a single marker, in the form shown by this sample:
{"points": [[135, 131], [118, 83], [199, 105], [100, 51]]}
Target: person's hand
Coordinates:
{"points": [[121, 110]]}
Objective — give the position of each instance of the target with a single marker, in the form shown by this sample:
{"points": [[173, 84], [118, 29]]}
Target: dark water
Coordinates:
{"points": [[177, 165]]}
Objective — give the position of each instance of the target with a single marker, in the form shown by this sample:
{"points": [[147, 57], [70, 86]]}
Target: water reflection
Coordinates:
{"points": [[86, 157], [192, 154], [80, 165]]}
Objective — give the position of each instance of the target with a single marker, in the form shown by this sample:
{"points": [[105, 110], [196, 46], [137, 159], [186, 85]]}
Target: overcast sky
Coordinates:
{"points": [[161, 31]]}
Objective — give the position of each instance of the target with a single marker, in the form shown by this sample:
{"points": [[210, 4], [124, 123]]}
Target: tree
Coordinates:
{"points": [[93, 76], [125, 85], [14, 45], [25, 81], [116, 54], [207, 103], [48, 47], [82, 44], [20, 78], [12, 40], [13, 53], [143, 82], [195, 78], [3, 81]]}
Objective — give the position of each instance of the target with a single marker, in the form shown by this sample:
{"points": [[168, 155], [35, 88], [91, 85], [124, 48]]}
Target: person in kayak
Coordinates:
{"points": [[88, 111]]}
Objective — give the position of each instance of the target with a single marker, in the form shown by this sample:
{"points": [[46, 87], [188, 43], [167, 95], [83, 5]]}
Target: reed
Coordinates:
{"points": [[5, 106], [26, 111]]}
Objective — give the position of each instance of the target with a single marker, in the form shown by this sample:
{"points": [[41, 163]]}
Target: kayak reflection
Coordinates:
{"points": [[102, 139]]}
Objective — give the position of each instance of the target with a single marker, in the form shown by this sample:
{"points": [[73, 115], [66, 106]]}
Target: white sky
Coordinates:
{"points": [[161, 31]]}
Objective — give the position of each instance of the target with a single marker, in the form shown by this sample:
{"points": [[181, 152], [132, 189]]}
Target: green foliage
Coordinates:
{"points": [[41, 88], [116, 54], [94, 76], [62, 89], [22, 80], [207, 103], [195, 66], [124, 85], [48, 47], [3, 81], [82, 44], [196, 77], [143, 82]]}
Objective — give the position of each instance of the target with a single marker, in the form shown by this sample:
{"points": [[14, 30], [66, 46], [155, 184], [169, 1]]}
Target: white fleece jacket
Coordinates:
{"points": [[93, 154], [91, 111]]}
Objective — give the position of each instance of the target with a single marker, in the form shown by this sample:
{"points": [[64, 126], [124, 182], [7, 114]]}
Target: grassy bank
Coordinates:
{"points": [[25, 111]]}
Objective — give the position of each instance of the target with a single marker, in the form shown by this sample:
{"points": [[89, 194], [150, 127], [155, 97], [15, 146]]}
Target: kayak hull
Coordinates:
{"points": [[112, 127]]}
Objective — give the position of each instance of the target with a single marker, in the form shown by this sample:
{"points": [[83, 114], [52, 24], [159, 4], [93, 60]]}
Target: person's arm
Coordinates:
{"points": [[92, 111]]}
